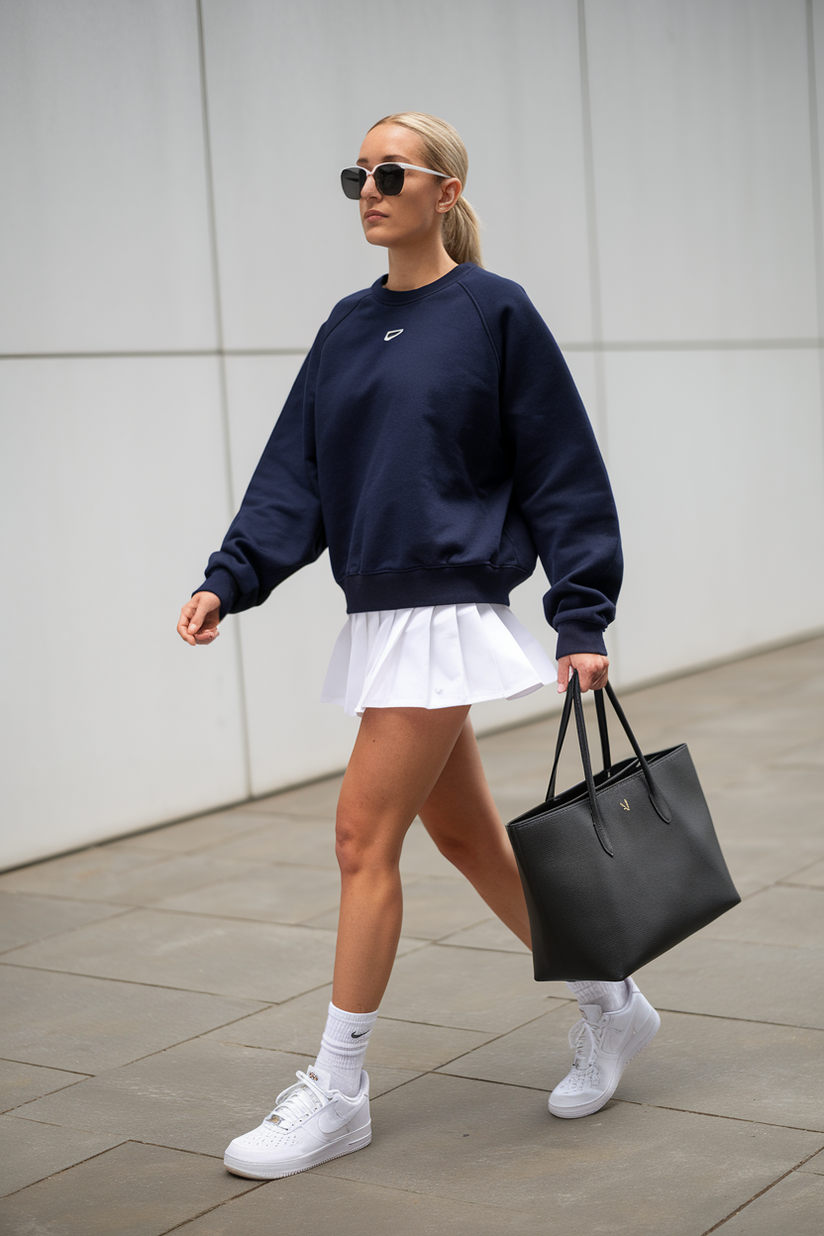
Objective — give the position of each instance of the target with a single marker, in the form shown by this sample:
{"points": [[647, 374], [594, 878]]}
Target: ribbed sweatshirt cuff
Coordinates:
{"points": [[222, 585], [574, 636]]}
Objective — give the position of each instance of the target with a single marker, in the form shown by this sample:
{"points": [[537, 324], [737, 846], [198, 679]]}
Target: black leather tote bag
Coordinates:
{"points": [[622, 866]]}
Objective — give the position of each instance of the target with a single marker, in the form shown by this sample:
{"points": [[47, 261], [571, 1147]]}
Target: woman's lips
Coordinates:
{"points": [[372, 215]]}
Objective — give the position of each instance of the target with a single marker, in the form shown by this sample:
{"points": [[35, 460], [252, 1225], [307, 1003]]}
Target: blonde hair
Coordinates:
{"points": [[443, 151]]}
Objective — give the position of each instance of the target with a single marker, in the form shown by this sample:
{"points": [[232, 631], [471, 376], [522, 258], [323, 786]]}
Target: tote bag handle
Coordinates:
{"points": [[576, 702], [562, 729]]}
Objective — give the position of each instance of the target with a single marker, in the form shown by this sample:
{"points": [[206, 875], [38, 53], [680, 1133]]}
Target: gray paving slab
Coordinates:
{"points": [[297, 1025], [468, 990], [805, 755], [536, 1055], [794, 1205], [319, 799], [317, 1204], [629, 1168], [170, 877], [132, 1190], [727, 978], [437, 907], [808, 877], [771, 803], [67, 1021], [303, 840], [254, 961], [125, 876], [311, 842], [432, 907], [271, 894], [814, 1165], [24, 918], [32, 1151], [420, 856], [82, 873], [791, 917], [490, 934], [196, 1096], [740, 1069], [784, 728], [193, 836], [721, 765], [20, 1083], [758, 864]]}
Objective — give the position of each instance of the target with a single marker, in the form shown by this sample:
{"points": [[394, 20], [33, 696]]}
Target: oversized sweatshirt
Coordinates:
{"points": [[434, 440]]}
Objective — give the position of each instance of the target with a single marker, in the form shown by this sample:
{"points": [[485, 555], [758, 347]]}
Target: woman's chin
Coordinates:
{"points": [[373, 235]]}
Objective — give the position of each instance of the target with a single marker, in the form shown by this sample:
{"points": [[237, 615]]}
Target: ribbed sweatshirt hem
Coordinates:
{"points": [[423, 586]]}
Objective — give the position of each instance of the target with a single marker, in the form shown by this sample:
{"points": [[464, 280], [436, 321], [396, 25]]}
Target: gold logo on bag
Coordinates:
{"points": [[625, 805]]}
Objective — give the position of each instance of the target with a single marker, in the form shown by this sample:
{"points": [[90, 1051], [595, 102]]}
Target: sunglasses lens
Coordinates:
{"points": [[389, 179], [352, 180]]}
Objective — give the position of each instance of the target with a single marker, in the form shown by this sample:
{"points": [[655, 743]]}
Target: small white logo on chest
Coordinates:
{"points": [[392, 334]]}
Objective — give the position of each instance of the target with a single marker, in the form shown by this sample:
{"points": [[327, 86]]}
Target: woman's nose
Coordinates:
{"points": [[370, 189]]}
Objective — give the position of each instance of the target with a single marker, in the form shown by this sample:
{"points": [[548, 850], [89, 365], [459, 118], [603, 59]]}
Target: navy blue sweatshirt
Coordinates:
{"points": [[435, 441]]}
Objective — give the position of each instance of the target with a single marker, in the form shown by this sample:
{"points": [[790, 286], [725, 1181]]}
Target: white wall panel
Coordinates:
{"points": [[818, 94], [292, 90], [103, 225], [702, 168], [716, 463], [113, 481]]}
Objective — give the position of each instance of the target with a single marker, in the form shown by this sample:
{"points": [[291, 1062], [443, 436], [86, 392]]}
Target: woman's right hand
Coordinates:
{"points": [[199, 618]]}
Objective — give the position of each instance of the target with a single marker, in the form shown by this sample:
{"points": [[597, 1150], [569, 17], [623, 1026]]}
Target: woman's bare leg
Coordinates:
{"points": [[463, 821], [399, 755]]}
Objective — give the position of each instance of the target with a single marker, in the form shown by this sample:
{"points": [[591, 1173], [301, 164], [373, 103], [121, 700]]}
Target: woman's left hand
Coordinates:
{"points": [[592, 670]]}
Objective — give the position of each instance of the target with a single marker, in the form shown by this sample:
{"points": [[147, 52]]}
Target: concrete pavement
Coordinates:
{"points": [[159, 990]]}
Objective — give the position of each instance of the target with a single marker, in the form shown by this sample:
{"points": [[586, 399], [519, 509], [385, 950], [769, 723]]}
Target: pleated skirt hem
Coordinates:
{"points": [[438, 656]]}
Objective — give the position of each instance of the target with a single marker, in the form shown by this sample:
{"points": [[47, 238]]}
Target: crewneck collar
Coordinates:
{"points": [[388, 297]]}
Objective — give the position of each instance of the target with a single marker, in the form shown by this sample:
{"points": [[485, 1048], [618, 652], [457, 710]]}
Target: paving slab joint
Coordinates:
{"points": [[760, 1193]]}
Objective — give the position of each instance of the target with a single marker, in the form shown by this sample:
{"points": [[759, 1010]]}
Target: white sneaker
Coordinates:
{"points": [[310, 1124], [604, 1044]]}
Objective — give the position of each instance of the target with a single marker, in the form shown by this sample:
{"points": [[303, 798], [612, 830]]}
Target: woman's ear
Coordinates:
{"points": [[450, 192]]}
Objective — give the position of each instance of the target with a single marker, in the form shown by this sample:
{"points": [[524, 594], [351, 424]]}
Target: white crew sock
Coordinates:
{"points": [[343, 1047], [610, 996]]}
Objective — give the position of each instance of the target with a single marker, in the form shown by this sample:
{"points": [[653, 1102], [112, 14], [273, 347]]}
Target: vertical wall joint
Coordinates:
{"points": [[221, 361]]}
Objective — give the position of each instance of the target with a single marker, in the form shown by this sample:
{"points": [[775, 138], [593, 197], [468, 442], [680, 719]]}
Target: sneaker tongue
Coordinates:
{"points": [[323, 1079], [592, 1012]]}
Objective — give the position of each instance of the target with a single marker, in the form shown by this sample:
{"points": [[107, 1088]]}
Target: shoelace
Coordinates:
{"points": [[297, 1102], [584, 1039]]}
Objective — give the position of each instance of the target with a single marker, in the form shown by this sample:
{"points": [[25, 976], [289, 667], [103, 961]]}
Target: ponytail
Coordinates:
{"points": [[443, 151], [462, 233]]}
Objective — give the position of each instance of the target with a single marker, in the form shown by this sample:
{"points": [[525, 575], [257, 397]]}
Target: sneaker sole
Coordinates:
{"points": [[651, 1028], [291, 1167]]}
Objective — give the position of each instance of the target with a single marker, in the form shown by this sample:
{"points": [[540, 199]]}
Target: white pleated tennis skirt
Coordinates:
{"points": [[434, 657]]}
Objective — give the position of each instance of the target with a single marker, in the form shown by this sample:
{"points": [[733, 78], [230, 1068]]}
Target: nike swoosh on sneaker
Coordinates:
{"points": [[331, 1121], [392, 334]]}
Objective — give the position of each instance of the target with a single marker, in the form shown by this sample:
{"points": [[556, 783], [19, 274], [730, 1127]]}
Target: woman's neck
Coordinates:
{"points": [[414, 269]]}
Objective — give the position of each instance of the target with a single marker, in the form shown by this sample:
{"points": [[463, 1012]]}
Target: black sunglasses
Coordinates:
{"points": [[388, 178]]}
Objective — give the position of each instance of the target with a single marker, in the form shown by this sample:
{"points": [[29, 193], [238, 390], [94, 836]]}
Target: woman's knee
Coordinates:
{"points": [[362, 845]]}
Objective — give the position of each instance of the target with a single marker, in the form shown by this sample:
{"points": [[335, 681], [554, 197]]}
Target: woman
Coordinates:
{"points": [[433, 439]]}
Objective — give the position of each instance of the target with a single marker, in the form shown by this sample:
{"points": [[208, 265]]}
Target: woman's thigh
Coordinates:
{"points": [[398, 757], [460, 810]]}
